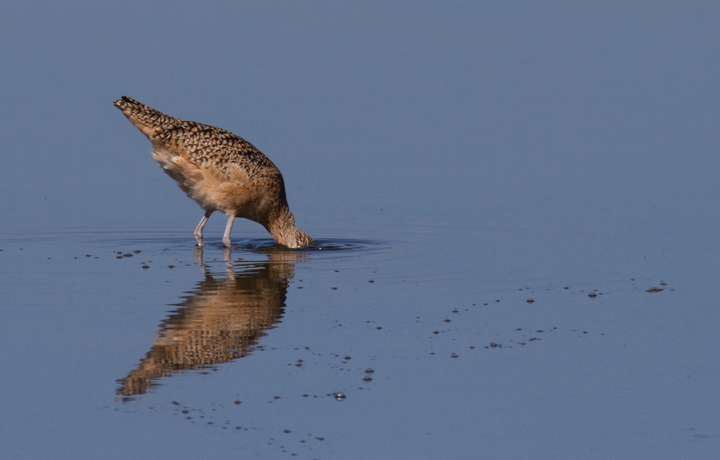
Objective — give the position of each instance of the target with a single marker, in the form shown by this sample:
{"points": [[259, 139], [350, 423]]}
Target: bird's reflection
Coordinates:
{"points": [[217, 321]]}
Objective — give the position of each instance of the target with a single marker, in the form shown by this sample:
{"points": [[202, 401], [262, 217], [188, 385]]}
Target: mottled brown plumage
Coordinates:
{"points": [[219, 170]]}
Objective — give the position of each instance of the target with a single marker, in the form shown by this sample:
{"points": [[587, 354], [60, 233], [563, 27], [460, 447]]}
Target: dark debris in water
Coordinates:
{"points": [[219, 417]]}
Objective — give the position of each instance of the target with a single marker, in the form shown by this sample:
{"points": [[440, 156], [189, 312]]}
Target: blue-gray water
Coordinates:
{"points": [[453, 160]]}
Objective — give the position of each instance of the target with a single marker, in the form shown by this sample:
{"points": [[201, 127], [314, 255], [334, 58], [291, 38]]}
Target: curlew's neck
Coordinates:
{"points": [[283, 230]]}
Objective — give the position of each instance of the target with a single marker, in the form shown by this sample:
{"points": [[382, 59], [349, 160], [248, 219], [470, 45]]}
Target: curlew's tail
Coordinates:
{"points": [[148, 120]]}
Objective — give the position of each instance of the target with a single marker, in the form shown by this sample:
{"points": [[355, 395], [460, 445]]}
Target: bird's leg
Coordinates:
{"points": [[228, 229], [199, 229]]}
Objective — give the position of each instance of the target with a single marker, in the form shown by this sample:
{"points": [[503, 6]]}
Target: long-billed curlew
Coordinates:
{"points": [[219, 170]]}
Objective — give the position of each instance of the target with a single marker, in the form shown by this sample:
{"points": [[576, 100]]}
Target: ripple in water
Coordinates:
{"points": [[323, 245]]}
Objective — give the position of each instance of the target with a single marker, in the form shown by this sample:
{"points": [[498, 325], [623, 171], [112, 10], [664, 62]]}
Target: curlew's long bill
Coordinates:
{"points": [[219, 170]]}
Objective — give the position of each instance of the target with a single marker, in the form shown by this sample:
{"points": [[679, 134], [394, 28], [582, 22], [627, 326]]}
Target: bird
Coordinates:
{"points": [[220, 171]]}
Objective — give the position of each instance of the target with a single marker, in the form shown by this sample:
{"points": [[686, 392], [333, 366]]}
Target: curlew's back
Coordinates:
{"points": [[203, 145]]}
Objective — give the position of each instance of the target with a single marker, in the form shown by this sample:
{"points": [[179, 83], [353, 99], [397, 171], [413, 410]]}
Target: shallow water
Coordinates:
{"points": [[515, 211], [436, 351]]}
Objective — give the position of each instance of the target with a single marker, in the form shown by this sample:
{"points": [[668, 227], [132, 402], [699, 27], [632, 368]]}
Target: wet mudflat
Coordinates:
{"points": [[516, 216]]}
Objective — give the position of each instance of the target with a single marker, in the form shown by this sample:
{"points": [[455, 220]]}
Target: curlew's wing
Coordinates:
{"points": [[205, 146]]}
